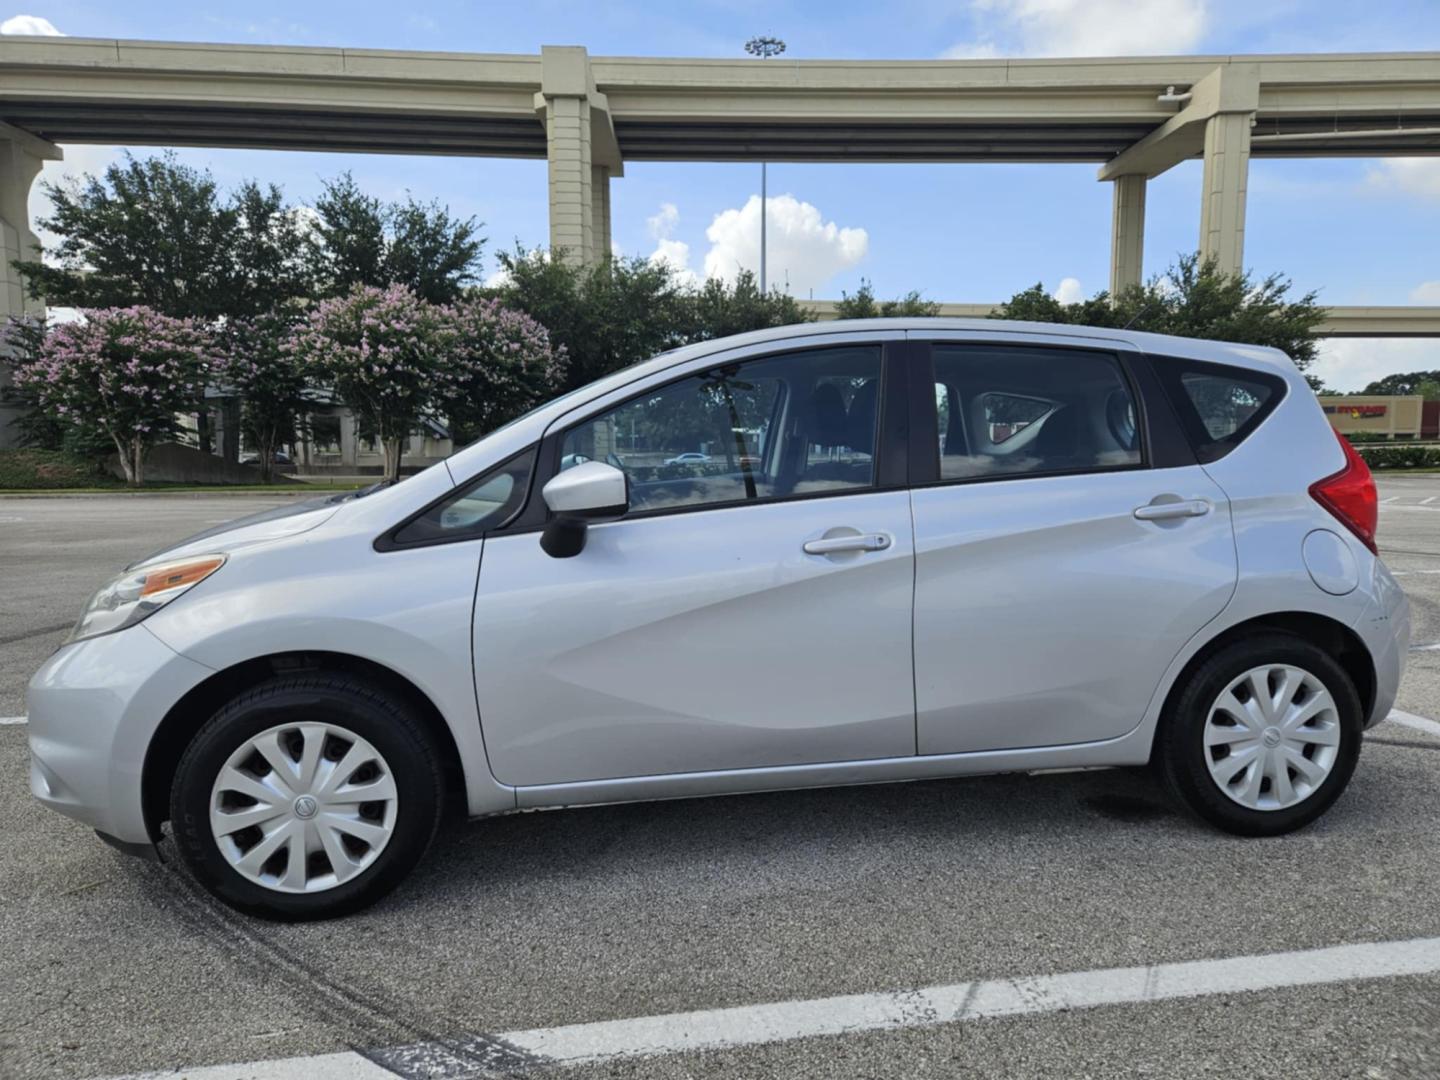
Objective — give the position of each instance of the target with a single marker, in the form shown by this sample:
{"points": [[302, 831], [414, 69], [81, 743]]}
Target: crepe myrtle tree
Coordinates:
{"points": [[261, 366], [499, 363], [124, 372], [383, 352]]}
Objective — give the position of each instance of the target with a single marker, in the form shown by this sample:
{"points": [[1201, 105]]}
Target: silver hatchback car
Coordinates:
{"points": [[850, 553]]}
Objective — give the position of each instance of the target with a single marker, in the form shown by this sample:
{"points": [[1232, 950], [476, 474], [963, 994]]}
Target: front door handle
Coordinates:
{"points": [[1158, 511], [830, 545]]}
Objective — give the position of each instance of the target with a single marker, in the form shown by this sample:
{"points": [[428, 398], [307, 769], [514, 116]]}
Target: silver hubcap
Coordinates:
{"points": [[303, 807], [1272, 737]]}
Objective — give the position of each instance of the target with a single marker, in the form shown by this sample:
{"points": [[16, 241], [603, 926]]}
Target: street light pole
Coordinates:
{"points": [[764, 48]]}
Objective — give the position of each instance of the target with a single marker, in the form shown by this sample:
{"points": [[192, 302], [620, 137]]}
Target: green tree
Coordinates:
{"points": [[864, 306], [359, 239], [1410, 382], [719, 310], [157, 233], [1193, 299], [260, 365], [606, 316]]}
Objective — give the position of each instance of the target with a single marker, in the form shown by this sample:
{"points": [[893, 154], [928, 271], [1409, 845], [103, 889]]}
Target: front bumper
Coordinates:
{"points": [[93, 710]]}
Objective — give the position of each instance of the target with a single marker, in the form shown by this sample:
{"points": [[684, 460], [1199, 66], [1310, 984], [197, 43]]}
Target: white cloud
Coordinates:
{"points": [[29, 24], [1412, 176], [1427, 292], [676, 255], [668, 251], [1348, 364], [1069, 291], [1085, 27], [662, 224], [803, 250]]}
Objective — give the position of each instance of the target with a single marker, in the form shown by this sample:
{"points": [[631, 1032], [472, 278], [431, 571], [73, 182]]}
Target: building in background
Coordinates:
{"points": [[1379, 416]]}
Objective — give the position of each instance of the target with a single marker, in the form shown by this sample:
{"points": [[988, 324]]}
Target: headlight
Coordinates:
{"points": [[137, 594]]}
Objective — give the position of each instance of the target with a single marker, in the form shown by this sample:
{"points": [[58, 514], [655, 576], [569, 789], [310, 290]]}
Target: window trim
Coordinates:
{"points": [[387, 541], [891, 441], [1170, 372], [925, 457]]}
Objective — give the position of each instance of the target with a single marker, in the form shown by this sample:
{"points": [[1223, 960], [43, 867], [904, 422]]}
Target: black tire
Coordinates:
{"points": [[376, 716], [1180, 754]]}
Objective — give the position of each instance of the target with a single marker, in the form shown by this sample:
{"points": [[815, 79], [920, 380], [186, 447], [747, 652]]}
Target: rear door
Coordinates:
{"points": [[1065, 548]]}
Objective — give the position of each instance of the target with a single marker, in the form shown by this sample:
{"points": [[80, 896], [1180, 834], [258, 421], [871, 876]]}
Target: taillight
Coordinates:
{"points": [[1350, 495]]}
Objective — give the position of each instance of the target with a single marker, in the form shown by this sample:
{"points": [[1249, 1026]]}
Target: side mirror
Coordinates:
{"points": [[590, 492]]}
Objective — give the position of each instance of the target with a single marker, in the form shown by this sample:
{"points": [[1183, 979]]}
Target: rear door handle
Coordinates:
{"points": [[829, 545], [1158, 511]]}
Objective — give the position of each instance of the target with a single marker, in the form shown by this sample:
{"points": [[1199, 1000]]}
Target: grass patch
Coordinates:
{"points": [[28, 471], [41, 470]]}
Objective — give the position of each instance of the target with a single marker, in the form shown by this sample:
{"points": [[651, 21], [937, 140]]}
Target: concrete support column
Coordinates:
{"points": [[1127, 233], [349, 440], [21, 157], [567, 140], [1227, 172], [599, 212]]}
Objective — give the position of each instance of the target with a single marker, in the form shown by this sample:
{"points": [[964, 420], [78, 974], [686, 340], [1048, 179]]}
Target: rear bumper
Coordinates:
{"points": [[1384, 627], [93, 709]]}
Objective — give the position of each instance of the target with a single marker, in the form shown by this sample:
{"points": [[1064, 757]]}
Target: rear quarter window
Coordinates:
{"points": [[1219, 406]]}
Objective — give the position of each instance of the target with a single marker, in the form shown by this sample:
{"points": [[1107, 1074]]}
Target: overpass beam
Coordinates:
{"points": [[1223, 190], [22, 155], [1127, 233]]}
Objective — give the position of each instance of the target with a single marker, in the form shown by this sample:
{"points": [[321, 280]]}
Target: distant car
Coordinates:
{"points": [[1173, 561], [281, 458], [692, 458]]}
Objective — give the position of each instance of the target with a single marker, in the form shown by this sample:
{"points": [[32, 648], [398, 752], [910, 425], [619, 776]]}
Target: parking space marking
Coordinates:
{"points": [[13, 720], [784, 1021], [1410, 720], [342, 1066]]}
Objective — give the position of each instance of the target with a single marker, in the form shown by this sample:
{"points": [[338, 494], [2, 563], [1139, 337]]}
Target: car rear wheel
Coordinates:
{"points": [[309, 796], [1263, 737]]}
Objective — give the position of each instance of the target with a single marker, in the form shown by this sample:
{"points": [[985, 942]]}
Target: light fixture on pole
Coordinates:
{"points": [[764, 48]]}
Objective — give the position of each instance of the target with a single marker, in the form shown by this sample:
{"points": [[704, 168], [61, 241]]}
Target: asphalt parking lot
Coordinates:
{"points": [[110, 966]]}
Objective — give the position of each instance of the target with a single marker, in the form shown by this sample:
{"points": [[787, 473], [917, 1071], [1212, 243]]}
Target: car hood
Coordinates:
{"points": [[273, 524]]}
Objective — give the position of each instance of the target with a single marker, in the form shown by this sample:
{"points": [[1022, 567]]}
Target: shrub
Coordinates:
{"points": [[123, 372], [1392, 456]]}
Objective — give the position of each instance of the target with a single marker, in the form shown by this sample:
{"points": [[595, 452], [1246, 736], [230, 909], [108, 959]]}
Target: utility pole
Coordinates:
{"points": [[764, 48]]}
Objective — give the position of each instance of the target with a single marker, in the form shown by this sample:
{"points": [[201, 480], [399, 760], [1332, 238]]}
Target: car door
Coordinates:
{"points": [[751, 609], [1063, 558]]}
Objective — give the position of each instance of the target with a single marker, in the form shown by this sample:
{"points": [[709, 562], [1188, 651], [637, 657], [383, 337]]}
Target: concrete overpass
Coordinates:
{"points": [[586, 116]]}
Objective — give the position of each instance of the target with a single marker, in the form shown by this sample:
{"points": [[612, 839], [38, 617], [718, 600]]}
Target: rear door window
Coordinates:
{"points": [[1017, 410]]}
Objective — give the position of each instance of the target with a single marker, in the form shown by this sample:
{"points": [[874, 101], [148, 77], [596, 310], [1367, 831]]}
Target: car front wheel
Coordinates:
{"points": [[309, 796], [1263, 737]]}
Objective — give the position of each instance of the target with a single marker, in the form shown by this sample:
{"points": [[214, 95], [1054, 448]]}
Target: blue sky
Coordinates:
{"points": [[1358, 231]]}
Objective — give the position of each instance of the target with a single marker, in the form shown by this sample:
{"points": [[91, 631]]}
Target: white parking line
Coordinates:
{"points": [[13, 719], [1410, 720], [783, 1021], [1427, 501]]}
